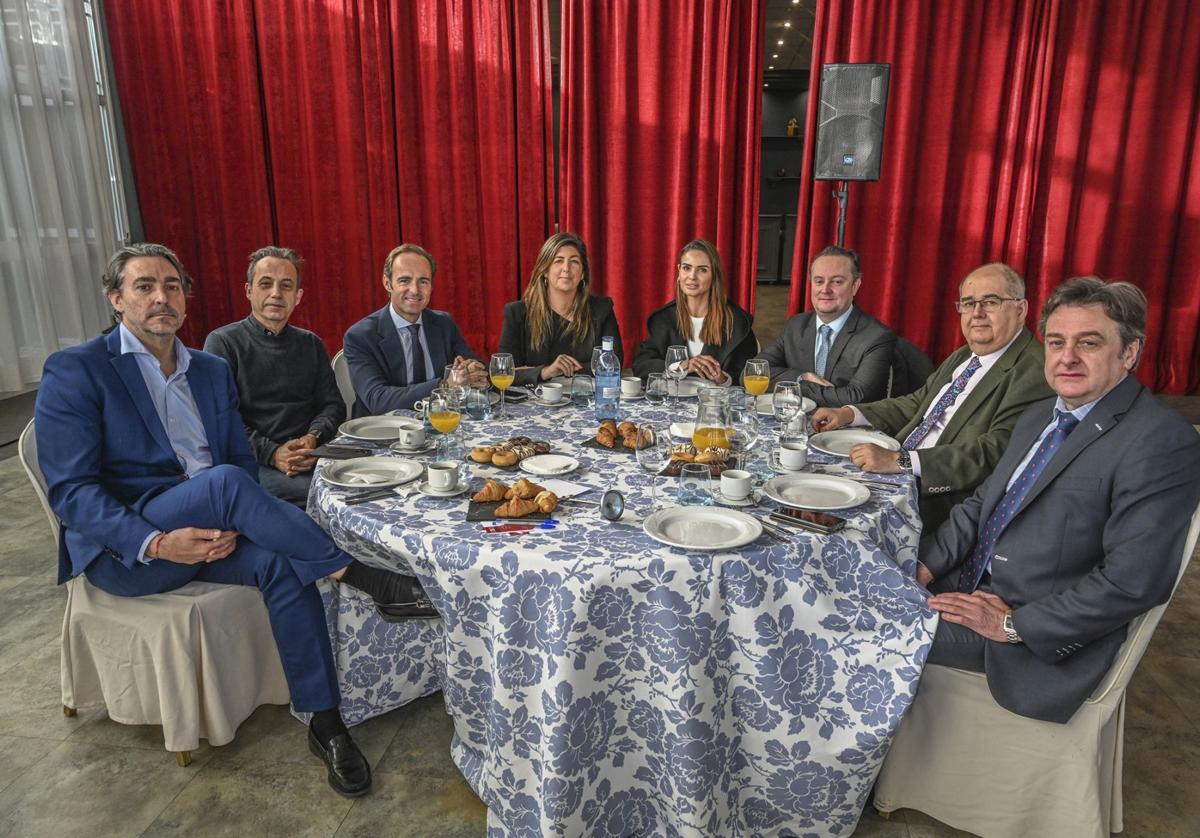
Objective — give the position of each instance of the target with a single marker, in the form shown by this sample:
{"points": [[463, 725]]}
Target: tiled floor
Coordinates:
{"points": [[88, 775]]}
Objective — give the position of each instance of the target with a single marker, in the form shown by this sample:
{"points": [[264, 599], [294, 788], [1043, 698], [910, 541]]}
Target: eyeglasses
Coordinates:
{"points": [[988, 303]]}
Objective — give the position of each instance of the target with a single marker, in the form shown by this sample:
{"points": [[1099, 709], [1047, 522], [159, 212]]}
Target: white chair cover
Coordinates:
{"points": [[341, 374], [960, 757]]}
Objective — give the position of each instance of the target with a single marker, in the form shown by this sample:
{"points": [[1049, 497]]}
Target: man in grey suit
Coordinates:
{"points": [[1081, 526], [839, 354]]}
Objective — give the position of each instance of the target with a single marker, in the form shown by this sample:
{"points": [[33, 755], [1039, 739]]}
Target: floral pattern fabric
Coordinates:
{"points": [[604, 684]]}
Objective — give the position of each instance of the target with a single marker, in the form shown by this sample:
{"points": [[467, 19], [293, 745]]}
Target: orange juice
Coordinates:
{"points": [[502, 382], [444, 420], [756, 385], [710, 438]]}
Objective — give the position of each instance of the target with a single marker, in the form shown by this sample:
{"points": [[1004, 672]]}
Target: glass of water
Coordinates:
{"points": [[656, 388], [583, 391], [479, 406], [653, 453], [695, 485]]}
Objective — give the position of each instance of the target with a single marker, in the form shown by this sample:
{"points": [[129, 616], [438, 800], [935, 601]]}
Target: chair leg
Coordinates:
{"points": [[183, 758], [69, 711]]}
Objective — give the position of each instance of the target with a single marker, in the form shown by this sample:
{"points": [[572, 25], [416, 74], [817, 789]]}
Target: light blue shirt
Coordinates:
{"points": [[175, 406], [1079, 413], [836, 326], [406, 339]]}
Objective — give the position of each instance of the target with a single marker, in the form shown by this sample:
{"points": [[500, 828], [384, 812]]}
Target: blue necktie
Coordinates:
{"points": [[943, 404], [824, 340], [1004, 512], [420, 374]]}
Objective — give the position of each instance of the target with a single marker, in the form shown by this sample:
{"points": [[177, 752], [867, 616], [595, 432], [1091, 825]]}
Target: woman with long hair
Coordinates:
{"points": [[718, 333], [554, 327]]}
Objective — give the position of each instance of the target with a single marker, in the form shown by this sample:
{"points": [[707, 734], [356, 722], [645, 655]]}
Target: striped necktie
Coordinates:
{"points": [[824, 342], [420, 374], [936, 413], [1006, 509]]}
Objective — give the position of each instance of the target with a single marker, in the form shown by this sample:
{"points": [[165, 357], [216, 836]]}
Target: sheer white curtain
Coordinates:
{"points": [[61, 213]]}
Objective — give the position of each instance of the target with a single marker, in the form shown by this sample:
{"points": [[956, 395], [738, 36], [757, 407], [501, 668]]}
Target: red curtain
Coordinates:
{"points": [[659, 143], [341, 129], [1060, 136]]}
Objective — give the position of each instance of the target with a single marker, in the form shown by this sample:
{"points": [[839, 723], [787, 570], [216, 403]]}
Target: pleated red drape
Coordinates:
{"points": [[660, 113], [341, 129], [1061, 136]]}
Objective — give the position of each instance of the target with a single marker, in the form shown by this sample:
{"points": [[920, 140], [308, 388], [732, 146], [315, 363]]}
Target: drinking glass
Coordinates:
{"points": [[444, 413], [656, 388], [453, 376], [695, 485], [756, 375], [787, 401], [744, 430], [478, 405], [502, 373], [655, 454], [676, 355], [583, 391], [596, 350]]}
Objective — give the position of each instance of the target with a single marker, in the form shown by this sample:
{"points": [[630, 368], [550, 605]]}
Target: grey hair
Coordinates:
{"points": [[114, 272], [273, 252], [1123, 303], [1014, 285], [845, 253]]}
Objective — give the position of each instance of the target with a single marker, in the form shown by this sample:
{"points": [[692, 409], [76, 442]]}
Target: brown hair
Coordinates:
{"points": [[718, 323], [1123, 303], [537, 294], [408, 248]]}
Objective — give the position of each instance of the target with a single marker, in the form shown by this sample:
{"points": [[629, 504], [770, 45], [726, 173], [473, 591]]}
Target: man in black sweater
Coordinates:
{"points": [[289, 397]]}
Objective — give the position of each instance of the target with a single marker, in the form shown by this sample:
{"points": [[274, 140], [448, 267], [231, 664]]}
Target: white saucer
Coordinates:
{"points": [[428, 445], [636, 398], [724, 501], [424, 489], [540, 403]]}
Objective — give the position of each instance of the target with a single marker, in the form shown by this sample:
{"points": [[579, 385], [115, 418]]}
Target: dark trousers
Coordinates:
{"points": [[281, 552], [294, 490]]}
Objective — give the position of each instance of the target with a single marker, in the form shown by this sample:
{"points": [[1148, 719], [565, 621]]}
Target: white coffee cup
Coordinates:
{"points": [[790, 456], [410, 433], [550, 393], [442, 475], [735, 483], [631, 387]]}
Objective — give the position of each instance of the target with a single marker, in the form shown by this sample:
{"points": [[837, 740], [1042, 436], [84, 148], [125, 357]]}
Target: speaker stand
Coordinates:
{"points": [[843, 196]]}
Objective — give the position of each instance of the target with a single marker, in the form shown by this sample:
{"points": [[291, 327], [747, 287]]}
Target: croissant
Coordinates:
{"points": [[524, 489], [626, 428], [546, 501], [516, 508], [606, 437], [610, 424], [493, 490]]}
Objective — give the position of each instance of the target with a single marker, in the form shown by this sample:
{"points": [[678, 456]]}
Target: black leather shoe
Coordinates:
{"points": [[349, 771]]}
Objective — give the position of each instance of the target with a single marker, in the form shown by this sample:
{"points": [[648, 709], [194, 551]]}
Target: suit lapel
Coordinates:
{"points": [[435, 339], [201, 386], [130, 374], [987, 385], [391, 347], [807, 339], [839, 343]]}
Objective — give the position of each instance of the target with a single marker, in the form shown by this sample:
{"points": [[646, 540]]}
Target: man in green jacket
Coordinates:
{"points": [[955, 427]]}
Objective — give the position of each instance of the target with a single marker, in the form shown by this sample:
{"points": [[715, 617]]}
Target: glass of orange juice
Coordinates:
{"points": [[756, 376], [502, 373]]}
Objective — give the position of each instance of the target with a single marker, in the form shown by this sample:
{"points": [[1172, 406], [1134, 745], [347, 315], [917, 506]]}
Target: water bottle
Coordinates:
{"points": [[608, 382]]}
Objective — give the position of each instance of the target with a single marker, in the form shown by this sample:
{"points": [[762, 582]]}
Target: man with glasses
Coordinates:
{"points": [[838, 353], [953, 429]]}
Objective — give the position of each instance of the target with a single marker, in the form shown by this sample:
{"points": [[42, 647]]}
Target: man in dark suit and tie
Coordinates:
{"points": [[1081, 526], [397, 355], [838, 353], [954, 428], [149, 470]]}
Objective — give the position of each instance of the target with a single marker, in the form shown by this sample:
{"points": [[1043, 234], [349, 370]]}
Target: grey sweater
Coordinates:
{"points": [[285, 383]]}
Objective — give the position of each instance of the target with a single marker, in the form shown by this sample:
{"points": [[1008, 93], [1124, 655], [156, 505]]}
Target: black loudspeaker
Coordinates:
{"points": [[850, 121]]}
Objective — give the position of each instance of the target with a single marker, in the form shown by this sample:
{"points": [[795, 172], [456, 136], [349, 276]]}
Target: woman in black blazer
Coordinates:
{"points": [[553, 329], [720, 334]]}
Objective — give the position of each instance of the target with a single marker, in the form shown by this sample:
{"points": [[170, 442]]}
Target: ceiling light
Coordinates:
{"points": [[766, 84], [780, 42], [772, 67], [787, 24], [795, 2], [774, 55]]}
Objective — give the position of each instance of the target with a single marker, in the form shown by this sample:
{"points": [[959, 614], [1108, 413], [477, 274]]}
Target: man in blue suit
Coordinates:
{"points": [[396, 355], [148, 467]]}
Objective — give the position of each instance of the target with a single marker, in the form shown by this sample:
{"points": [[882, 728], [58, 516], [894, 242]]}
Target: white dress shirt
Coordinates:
{"points": [[406, 339]]}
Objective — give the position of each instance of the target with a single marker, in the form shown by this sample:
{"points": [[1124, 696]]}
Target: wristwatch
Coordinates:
{"points": [[905, 461], [1009, 630]]}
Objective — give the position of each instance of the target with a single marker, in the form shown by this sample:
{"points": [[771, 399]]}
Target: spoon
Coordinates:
{"points": [[612, 505]]}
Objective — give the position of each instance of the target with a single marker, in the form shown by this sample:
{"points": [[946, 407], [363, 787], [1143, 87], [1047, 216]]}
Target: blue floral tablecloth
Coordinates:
{"points": [[604, 684]]}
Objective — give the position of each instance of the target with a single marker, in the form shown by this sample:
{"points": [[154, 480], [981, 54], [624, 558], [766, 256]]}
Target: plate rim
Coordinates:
{"points": [[385, 416], [755, 525], [859, 490], [361, 460], [877, 434]]}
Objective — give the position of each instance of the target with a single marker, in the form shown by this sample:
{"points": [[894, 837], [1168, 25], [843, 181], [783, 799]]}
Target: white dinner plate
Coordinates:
{"points": [[702, 527], [429, 445], [839, 442], [371, 472], [549, 464], [683, 430], [424, 488], [819, 492], [765, 404], [375, 428]]}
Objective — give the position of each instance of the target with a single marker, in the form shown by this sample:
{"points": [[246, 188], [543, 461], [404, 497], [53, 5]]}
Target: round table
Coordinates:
{"points": [[602, 683]]}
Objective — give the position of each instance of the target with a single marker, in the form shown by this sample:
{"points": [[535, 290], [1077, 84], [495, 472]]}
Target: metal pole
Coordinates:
{"points": [[843, 197]]}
